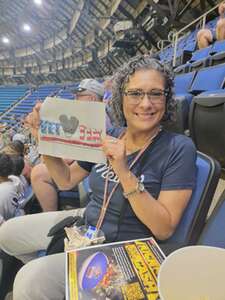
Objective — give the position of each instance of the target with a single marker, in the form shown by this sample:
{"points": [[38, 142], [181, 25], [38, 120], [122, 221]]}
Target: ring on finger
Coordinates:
{"points": [[113, 141]]}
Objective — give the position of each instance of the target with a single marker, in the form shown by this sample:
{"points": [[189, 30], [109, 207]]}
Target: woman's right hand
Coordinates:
{"points": [[32, 121]]}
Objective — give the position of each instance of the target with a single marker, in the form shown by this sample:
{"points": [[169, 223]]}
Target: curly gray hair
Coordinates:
{"points": [[122, 76]]}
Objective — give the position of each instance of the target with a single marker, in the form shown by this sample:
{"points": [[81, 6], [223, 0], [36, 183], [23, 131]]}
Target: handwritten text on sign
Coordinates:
{"points": [[72, 129]]}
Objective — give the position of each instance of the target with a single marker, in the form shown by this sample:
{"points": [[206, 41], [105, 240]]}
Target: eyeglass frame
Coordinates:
{"points": [[149, 95]]}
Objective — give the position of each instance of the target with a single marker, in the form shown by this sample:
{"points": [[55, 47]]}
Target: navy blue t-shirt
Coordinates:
{"points": [[169, 166]]}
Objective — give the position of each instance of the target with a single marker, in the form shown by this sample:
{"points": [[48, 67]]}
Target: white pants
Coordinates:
{"points": [[41, 278]]}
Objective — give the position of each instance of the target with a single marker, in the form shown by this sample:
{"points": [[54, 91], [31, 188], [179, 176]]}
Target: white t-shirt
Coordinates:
{"points": [[10, 192]]}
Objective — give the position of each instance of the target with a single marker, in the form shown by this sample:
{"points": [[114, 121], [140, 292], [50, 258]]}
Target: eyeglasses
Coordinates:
{"points": [[136, 96]]}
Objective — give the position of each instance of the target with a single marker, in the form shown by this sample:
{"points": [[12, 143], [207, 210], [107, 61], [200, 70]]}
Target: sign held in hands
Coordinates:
{"points": [[72, 129]]}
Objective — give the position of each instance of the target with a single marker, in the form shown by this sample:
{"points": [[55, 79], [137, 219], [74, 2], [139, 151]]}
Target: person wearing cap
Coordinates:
{"points": [[43, 186], [107, 98], [89, 89]]}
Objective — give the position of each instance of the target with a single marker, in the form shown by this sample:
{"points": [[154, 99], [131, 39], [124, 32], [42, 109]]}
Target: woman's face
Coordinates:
{"points": [[143, 114]]}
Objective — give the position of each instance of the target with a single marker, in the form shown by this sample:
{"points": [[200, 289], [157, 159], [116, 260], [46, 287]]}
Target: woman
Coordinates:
{"points": [[155, 199]]}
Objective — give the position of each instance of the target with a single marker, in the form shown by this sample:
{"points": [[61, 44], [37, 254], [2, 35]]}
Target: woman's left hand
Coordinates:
{"points": [[115, 152]]}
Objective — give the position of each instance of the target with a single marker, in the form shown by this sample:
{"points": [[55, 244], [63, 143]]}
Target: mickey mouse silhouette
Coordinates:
{"points": [[69, 125]]}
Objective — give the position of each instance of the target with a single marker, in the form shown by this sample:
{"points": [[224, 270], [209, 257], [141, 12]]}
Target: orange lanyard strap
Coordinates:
{"points": [[106, 199]]}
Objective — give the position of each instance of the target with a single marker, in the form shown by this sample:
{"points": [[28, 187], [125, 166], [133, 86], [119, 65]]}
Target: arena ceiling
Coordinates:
{"points": [[66, 40]]}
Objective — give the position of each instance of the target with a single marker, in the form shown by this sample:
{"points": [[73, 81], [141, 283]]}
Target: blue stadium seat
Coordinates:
{"points": [[217, 53], [213, 232], [183, 100], [9, 95], [182, 84], [190, 46], [26, 105], [193, 220], [200, 58], [65, 94], [211, 78]]}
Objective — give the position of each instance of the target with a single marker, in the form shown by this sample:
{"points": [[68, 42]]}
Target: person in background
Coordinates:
{"points": [[107, 89], [44, 187], [155, 191], [220, 25], [11, 187], [107, 99], [205, 36], [18, 148]]}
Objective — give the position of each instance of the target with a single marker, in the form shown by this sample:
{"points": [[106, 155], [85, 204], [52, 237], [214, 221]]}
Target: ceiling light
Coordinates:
{"points": [[38, 2], [5, 40], [26, 27]]}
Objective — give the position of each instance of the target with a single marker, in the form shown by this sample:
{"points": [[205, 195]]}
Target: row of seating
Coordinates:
{"points": [[200, 100], [209, 56], [186, 45], [26, 105], [10, 95]]}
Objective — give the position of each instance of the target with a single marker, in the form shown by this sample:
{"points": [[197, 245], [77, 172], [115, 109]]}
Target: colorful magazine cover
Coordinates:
{"points": [[124, 270]]}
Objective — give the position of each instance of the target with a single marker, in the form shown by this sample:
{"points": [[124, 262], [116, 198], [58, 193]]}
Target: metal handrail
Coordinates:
{"points": [[202, 17]]}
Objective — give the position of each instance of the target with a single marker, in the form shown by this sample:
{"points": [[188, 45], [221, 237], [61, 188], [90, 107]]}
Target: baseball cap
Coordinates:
{"points": [[90, 85]]}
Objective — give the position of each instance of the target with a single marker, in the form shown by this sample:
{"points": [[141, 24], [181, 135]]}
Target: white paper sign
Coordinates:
{"points": [[72, 129]]}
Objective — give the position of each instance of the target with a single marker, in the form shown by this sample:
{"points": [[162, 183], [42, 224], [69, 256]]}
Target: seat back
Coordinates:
{"points": [[207, 79], [219, 46], [193, 220], [201, 54], [213, 232], [183, 82], [207, 123]]}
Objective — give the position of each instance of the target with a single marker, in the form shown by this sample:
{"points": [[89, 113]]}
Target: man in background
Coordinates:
{"points": [[43, 186]]}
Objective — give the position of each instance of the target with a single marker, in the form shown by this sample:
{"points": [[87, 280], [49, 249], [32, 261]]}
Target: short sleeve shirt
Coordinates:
{"points": [[170, 165]]}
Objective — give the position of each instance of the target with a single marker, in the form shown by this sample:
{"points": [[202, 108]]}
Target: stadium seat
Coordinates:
{"points": [[182, 56], [207, 123], [193, 220], [26, 105], [76, 197], [208, 79], [200, 58], [183, 100], [69, 199], [213, 232], [218, 53]]}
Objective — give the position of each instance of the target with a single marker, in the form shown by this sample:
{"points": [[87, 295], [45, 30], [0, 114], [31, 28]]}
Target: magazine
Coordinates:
{"points": [[123, 270]]}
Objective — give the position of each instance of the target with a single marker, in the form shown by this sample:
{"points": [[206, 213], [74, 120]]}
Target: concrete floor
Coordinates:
{"points": [[220, 188]]}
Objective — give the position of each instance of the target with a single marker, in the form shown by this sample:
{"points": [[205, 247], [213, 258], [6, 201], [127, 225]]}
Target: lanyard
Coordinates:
{"points": [[106, 199]]}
